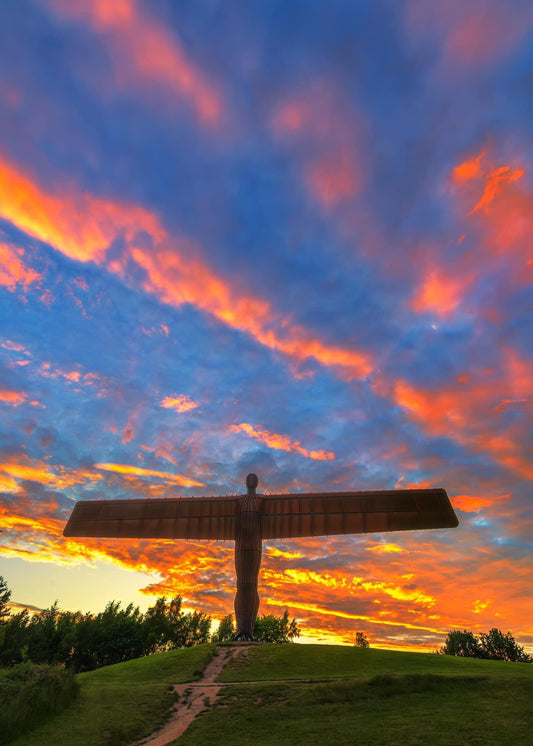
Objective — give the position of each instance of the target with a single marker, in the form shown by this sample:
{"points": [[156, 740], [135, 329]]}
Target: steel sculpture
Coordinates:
{"points": [[250, 518]]}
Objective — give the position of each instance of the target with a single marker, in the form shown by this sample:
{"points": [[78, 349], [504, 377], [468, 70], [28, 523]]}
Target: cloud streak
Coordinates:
{"points": [[143, 53], [280, 442]]}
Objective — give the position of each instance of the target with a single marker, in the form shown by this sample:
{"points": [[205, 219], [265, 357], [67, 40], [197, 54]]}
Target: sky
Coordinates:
{"points": [[284, 238]]}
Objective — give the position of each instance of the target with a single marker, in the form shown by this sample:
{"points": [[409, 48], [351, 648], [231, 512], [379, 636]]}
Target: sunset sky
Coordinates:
{"points": [[293, 238]]}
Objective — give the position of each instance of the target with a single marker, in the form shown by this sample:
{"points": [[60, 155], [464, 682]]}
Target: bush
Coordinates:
{"points": [[29, 693]]}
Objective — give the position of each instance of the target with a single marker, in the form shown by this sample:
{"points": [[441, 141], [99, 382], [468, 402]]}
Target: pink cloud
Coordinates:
{"points": [[280, 442], [325, 137], [143, 52], [14, 272], [499, 203], [14, 398], [470, 35]]}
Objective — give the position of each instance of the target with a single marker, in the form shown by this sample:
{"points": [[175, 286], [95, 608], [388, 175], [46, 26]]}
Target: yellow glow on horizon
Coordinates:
{"points": [[137, 471]]}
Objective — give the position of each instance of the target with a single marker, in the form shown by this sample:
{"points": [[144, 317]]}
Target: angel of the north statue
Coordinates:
{"points": [[250, 518]]}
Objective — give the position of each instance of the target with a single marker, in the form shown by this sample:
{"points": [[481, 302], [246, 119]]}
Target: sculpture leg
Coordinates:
{"points": [[247, 563]]}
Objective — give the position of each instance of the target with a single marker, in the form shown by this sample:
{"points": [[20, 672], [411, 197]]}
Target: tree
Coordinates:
{"points": [[464, 644], [15, 639], [166, 626], [270, 628], [493, 645], [361, 640], [500, 647], [156, 626], [44, 638], [5, 595], [225, 630]]}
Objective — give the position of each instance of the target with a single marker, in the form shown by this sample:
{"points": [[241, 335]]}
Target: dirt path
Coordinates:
{"points": [[193, 698]]}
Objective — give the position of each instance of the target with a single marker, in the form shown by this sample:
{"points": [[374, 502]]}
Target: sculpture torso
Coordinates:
{"points": [[248, 550]]}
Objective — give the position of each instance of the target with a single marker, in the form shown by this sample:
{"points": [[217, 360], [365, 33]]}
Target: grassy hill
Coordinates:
{"points": [[307, 694]]}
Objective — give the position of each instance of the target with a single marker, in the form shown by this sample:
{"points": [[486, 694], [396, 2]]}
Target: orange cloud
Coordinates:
{"points": [[83, 228], [501, 223], [280, 442], [136, 471], [439, 294], [13, 271], [358, 617], [475, 503], [143, 51], [15, 469], [468, 410], [494, 183], [179, 403], [495, 179], [177, 280], [385, 548], [80, 226], [469, 169], [14, 398], [275, 552]]}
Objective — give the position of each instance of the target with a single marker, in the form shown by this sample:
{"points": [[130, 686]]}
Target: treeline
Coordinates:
{"points": [[83, 642], [492, 645]]}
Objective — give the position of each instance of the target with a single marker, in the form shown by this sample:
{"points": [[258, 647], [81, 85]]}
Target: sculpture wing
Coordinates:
{"points": [[171, 518], [326, 514]]}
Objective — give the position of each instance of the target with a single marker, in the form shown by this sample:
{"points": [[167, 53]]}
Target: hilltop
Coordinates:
{"points": [[305, 694]]}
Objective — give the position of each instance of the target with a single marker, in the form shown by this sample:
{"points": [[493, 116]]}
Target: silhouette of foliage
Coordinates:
{"points": [[503, 647], [5, 595], [361, 640], [83, 642], [493, 645], [464, 644]]}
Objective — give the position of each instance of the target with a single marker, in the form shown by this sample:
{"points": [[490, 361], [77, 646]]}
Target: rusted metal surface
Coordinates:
{"points": [[248, 551], [249, 519], [332, 513], [172, 518]]}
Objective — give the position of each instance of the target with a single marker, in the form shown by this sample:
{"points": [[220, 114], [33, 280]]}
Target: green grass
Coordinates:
{"points": [[364, 697], [338, 695], [29, 694], [381, 711], [119, 704], [275, 662]]}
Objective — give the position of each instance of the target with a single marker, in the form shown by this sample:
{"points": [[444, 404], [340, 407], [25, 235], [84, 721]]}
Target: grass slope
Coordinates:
{"points": [[382, 698], [348, 695], [119, 704]]}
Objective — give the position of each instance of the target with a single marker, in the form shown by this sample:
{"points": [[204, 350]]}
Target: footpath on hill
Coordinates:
{"points": [[194, 698]]}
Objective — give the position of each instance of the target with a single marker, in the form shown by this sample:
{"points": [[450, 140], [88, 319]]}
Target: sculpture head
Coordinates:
{"points": [[252, 481]]}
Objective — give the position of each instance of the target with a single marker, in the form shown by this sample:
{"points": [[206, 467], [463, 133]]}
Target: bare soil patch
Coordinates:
{"points": [[194, 698]]}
